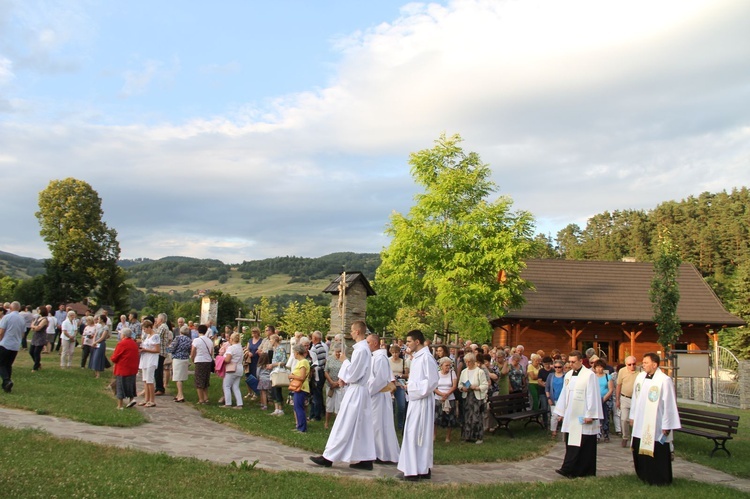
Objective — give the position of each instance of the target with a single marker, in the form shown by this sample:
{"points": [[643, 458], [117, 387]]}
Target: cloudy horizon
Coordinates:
{"points": [[242, 132]]}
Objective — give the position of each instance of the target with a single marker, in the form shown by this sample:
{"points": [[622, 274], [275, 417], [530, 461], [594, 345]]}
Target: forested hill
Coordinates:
{"points": [[172, 271], [313, 268], [710, 230], [20, 267]]}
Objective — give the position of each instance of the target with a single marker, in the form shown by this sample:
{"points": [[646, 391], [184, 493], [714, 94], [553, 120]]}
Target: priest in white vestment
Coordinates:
{"points": [[352, 439], [654, 416], [415, 460], [386, 443], [580, 406]]}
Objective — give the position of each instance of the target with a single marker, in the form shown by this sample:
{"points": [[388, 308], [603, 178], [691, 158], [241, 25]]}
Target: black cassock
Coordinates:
{"points": [[656, 470]]}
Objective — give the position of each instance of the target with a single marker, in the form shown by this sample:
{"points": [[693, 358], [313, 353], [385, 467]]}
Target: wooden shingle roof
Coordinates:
{"points": [[613, 291], [351, 278]]}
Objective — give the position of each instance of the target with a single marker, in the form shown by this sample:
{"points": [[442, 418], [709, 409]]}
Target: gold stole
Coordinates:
{"points": [[650, 413]]}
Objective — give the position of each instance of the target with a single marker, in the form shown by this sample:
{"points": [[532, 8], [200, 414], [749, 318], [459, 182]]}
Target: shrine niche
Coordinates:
{"points": [[349, 293]]}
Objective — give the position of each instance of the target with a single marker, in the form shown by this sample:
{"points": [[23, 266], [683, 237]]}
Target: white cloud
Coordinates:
{"points": [[578, 106]]}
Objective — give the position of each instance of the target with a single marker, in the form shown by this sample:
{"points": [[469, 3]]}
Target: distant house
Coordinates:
{"points": [[606, 306]]}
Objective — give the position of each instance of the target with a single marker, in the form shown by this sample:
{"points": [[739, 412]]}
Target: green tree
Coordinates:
{"points": [[113, 290], [306, 318], [269, 312], [8, 287], [738, 339], [448, 252], [229, 307], [665, 292], [82, 245]]}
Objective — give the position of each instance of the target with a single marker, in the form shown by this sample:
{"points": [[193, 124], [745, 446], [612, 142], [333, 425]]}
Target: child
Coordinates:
{"points": [[264, 379]]}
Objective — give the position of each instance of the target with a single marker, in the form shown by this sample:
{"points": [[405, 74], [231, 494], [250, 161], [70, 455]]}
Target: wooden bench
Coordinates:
{"points": [[514, 407], [712, 425]]}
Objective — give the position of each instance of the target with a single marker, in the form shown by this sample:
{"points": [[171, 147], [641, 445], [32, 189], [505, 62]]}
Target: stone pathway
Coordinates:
{"points": [[179, 430]]}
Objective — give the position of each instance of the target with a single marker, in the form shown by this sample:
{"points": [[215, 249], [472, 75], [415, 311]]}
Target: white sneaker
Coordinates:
{"points": [[280, 413], [274, 413]]}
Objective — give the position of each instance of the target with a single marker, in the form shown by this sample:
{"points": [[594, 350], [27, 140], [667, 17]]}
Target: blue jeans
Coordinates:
{"points": [[400, 407], [299, 410]]}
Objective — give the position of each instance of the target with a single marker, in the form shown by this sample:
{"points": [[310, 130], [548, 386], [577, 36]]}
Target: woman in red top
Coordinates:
{"points": [[126, 359]]}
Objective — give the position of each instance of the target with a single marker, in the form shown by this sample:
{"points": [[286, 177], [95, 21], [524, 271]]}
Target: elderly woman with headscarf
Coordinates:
{"points": [[180, 347], [126, 359], [474, 385]]}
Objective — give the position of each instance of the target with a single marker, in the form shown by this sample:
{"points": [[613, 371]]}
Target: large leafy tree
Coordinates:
{"points": [[450, 250], [665, 292], [83, 247]]}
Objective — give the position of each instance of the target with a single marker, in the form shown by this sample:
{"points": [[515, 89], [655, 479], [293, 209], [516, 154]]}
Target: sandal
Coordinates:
{"points": [[141, 404], [149, 404], [179, 400]]}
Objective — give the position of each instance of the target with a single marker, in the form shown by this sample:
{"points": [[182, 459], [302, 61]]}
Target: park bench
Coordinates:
{"points": [[712, 425], [514, 407]]}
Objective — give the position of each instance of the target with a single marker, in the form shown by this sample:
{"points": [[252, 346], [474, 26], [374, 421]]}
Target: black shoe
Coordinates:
{"points": [[385, 463], [409, 478], [7, 387], [562, 473], [362, 465], [426, 476], [321, 461]]}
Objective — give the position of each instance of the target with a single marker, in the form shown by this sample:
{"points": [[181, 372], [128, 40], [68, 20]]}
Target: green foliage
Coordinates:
{"points": [[113, 289], [381, 310], [306, 318], [7, 288], [82, 245], [448, 251], [172, 271], [310, 268], [20, 267], [269, 311], [738, 339], [665, 293], [31, 291]]}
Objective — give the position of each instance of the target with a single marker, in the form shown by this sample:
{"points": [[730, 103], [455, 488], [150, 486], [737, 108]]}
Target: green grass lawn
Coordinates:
{"points": [[698, 449], [76, 395], [528, 442], [36, 464], [70, 393]]}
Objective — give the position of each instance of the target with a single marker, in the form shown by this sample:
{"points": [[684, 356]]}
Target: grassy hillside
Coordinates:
{"points": [[20, 267], [242, 288]]}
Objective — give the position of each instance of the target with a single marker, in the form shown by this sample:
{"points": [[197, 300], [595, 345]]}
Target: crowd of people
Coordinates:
{"points": [[412, 386]]}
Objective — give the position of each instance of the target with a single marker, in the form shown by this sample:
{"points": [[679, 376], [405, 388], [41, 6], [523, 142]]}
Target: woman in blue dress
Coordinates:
{"points": [[99, 362]]}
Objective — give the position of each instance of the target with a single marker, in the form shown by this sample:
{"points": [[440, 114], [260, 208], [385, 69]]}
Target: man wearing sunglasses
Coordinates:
{"points": [[623, 396]]}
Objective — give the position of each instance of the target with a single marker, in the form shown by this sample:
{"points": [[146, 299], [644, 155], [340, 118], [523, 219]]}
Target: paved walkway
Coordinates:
{"points": [[183, 432]]}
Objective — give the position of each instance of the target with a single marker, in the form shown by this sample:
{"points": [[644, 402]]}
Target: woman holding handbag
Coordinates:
{"points": [[201, 353], [233, 372], [299, 386], [278, 361]]}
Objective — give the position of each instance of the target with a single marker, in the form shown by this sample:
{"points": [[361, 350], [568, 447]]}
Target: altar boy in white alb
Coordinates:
{"points": [[352, 439], [415, 460], [653, 417], [386, 443], [580, 405]]}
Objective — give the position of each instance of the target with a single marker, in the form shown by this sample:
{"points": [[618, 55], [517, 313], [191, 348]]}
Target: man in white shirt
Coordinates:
{"points": [[12, 327], [386, 443]]}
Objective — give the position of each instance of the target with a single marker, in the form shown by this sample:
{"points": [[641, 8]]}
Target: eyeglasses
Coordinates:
{"points": [[558, 367], [629, 364]]}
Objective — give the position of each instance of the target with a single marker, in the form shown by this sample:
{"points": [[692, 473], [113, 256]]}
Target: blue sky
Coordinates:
{"points": [[244, 130]]}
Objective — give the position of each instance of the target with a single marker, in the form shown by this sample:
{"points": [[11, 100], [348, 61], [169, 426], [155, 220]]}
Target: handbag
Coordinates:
{"points": [[279, 377], [295, 385], [219, 367]]}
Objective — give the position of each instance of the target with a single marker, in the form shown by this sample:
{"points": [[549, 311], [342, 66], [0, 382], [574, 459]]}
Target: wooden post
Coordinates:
{"points": [[574, 334], [632, 336]]}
